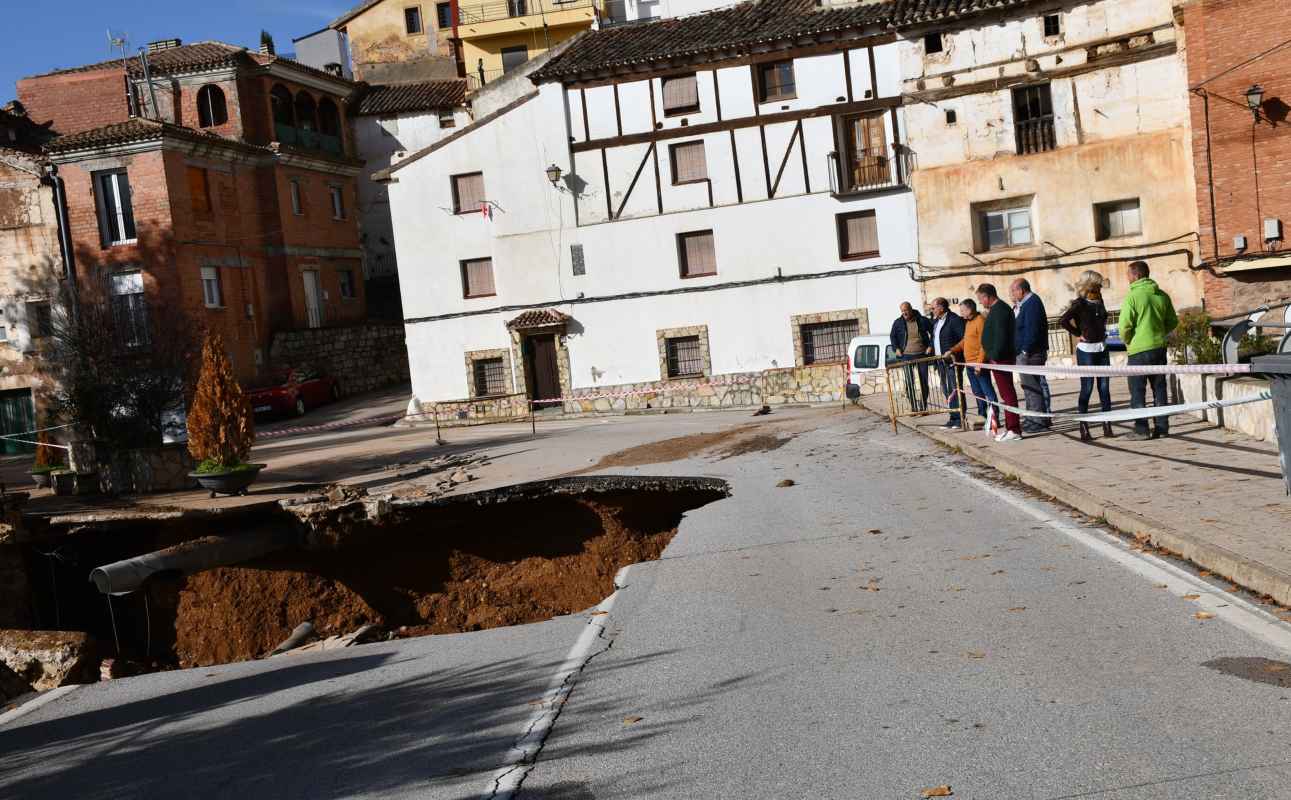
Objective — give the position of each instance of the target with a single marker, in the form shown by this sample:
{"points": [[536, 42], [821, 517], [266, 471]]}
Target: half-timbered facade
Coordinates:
{"points": [[697, 211]]}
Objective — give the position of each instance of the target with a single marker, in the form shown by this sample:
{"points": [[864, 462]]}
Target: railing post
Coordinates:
{"points": [[1278, 369]]}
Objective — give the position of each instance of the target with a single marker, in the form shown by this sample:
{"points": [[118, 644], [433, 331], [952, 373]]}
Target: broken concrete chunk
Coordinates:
{"points": [[12, 686], [49, 659]]}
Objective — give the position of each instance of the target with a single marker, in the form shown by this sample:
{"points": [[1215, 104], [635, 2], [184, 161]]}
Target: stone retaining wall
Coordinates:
{"points": [[1253, 419], [359, 357]]}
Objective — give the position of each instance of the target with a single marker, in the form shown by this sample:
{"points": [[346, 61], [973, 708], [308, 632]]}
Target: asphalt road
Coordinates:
{"points": [[890, 623]]}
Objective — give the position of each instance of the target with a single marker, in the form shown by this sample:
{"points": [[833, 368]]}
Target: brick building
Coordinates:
{"points": [[1243, 198], [221, 181]]}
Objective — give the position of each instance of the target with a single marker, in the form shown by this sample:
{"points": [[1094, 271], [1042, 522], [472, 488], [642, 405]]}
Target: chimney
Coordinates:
{"points": [[266, 44], [163, 44]]}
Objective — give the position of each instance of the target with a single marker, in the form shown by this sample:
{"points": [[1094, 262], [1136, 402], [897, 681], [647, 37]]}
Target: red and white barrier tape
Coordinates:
{"points": [[1125, 371], [1126, 414], [329, 426]]}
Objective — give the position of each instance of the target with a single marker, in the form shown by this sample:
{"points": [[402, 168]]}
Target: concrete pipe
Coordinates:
{"points": [[198, 555]]}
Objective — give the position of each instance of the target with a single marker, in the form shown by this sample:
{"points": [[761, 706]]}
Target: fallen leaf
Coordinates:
{"points": [[1160, 586], [975, 654], [1233, 589], [1203, 615], [937, 791], [999, 572], [1018, 608], [873, 585], [874, 530], [1191, 596], [632, 720], [1276, 667], [1205, 573], [599, 613], [785, 483]]}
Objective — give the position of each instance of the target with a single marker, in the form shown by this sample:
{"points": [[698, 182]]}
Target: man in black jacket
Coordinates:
{"points": [[947, 331], [911, 339]]}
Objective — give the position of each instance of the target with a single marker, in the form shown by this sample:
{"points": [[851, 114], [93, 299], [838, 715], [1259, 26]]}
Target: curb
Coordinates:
{"points": [[1247, 573]]}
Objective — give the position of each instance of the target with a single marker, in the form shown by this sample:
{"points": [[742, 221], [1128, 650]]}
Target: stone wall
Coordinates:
{"points": [[1253, 419], [360, 357], [475, 411], [153, 469]]}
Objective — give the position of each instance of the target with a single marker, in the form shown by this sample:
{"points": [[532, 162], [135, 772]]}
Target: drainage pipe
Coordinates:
{"points": [[198, 555]]}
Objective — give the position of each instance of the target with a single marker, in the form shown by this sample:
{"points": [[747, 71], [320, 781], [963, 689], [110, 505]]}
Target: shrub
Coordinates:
{"points": [[1192, 342], [47, 458], [220, 424]]}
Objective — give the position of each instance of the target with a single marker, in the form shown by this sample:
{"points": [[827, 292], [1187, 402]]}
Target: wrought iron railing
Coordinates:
{"points": [[307, 139], [871, 174], [476, 11], [1035, 136], [478, 79]]}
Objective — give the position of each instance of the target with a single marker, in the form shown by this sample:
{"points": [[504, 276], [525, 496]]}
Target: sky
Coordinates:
{"points": [[44, 35]]}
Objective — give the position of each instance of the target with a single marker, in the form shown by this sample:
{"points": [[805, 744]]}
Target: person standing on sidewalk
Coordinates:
{"points": [[948, 331], [1086, 320], [911, 338], [970, 350], [1032, 342], [997, 342], [1147, 318]]}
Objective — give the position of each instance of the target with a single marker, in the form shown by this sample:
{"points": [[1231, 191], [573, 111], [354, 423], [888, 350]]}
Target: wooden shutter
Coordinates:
{"points": [[468, 192], [697, 254], [859, 234], [680, 94], [688, 162], [477, 277], [199, 190]]}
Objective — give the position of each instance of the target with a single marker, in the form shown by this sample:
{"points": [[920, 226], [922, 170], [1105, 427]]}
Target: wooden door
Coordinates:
{"points": [[867, 150], [544, 376], [17, 416]]}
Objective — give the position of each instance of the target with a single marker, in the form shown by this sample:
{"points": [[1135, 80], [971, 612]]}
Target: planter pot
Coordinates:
{"points": [[41, 479], [233, 482], [64, 483]]}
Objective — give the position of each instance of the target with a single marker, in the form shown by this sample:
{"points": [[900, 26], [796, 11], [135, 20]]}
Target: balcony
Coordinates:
{"points": [[477, 79], [307, 139], [1035, 136], [870, 174], [473, 12]]}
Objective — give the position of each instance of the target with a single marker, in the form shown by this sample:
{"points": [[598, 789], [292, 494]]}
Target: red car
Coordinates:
{"points": [[293, 392]]}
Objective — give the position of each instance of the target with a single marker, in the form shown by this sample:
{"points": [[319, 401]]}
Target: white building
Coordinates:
{"points": [[726, 217], [391, 121]]}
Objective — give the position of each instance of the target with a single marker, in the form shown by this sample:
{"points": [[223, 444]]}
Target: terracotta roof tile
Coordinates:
{"points": [[730, 29], [401, 97], [540, 318], [136, 130], [915, 12]]}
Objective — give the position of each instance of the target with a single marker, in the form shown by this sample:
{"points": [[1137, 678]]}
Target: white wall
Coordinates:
{"points": [[642, 10]]}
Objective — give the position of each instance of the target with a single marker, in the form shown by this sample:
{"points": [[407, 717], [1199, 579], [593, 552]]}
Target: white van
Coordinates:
{"points": [[866, 355]]}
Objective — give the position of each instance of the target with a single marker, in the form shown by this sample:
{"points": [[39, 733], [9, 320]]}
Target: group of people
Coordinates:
{"points": [[991, 332]]}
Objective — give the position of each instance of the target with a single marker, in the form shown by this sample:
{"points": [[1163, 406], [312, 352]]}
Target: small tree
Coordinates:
{"points": [[1192, 342], [220, 425]]}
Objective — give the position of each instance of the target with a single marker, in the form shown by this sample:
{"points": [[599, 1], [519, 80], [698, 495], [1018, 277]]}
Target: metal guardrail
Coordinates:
{"points": [[917, 388], [477, 11], [1254, 321], [888, 172], [482, 77]]}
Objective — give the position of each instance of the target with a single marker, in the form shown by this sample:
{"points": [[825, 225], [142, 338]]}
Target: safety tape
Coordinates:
{"points": [[1099, 371], [1128, 414]]}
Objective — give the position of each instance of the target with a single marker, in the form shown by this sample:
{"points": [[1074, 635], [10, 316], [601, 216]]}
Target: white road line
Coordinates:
{"points": [[1228, 607], [35, 703], [520, 758]]}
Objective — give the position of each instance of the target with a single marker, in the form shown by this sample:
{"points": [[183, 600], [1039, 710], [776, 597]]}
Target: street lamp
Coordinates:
{"points": [[553, 174], [1254, 99]]}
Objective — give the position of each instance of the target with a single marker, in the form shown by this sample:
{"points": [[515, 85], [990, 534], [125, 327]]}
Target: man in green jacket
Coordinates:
{"points": [[1147, 318]]}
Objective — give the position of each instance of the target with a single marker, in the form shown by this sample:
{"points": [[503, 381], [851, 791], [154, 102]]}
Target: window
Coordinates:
{"points": [[680, 95], [696, 254], [577, 261], [1008, 227], [4, 328], [826, 342], [199, 190], [865, 163], [297, 207], [951, 116], [281, 103], [116, 212], [129, 308], [212, 292], [468, 192], [329, 118], [867, 357], [412, 20], [489, 376], [932, 44], [688, 162], [1033, 119], [477, 278], [685, 358], [40, 322], [306, 111], [775, 81], [346, 279], [338, 202], [1052, 25], [444, 15], [446, 118], [211, 108], [858, 235], [513, 57], [1121, 218]]}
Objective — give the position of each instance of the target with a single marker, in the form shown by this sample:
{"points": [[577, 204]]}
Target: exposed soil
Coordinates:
{"points": [[761, 443], [750, 438]]}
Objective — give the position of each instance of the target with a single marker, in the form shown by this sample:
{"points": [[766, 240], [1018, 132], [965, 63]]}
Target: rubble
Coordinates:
{"points": [[49, 659], [12, 685]]}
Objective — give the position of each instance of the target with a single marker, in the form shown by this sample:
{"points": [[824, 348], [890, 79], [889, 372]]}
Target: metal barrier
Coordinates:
{"points": [[1254, 320], [919, 387]]}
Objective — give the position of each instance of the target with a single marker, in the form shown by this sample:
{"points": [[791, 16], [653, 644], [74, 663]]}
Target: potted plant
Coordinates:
{"points": [[46, 462], [220, 426]]}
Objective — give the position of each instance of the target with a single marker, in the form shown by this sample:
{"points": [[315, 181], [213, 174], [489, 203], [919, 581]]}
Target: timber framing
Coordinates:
{"points": [[758, 121]]}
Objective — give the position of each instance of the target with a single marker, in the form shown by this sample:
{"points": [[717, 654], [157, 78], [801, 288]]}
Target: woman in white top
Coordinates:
{"points": [[1086, 319]]}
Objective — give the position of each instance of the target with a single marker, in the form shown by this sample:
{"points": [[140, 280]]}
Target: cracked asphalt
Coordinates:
{"points": [[881, 627]]}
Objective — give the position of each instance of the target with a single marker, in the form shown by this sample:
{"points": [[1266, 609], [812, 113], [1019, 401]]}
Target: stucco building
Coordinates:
{"points": [[687, 212], [223, 186], [394, 41], [1239, 80], [1050, 138], [497, 36]]}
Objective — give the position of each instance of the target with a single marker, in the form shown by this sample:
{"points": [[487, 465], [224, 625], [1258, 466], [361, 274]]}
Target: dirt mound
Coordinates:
{"points": [[449, 571]]}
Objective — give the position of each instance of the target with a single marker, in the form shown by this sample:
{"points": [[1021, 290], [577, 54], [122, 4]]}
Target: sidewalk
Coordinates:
{"points": [[1212, 496]]}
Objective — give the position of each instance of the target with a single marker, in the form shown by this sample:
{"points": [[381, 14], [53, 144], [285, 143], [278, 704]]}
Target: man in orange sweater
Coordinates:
{"points": [[971, 348]]}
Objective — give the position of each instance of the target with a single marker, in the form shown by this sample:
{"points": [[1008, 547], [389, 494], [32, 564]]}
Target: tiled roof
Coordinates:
{"points": [[399, 97], [731, 29], [352, 13], [541, 318], [916, 12], [136, 130]]}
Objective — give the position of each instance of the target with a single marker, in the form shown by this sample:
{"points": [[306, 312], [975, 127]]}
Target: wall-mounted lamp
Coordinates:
{"points": [[1255, 99], [553, 174]]}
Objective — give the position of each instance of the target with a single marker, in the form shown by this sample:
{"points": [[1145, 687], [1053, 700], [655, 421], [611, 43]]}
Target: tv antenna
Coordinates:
{"points": [[118, 41]]}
